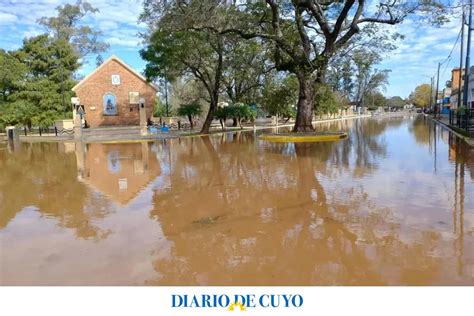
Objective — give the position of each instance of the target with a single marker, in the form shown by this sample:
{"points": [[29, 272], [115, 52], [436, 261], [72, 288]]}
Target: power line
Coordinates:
{"points": [[451, 53]]}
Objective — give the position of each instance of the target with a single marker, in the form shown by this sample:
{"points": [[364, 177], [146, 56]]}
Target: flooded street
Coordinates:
{"points": [[393, 204]]}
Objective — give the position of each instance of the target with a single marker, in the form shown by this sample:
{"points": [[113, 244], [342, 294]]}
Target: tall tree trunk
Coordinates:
{"points": [[304, 114], [214, 91], [210, 116]]}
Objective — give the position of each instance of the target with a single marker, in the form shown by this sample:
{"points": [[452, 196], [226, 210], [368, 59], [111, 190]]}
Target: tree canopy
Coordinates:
{"points": [[301, 36], [36, 79], [421, 96], [67, 26]]}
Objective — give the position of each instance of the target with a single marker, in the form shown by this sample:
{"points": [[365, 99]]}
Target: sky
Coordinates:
{"points": [[413, 62]]}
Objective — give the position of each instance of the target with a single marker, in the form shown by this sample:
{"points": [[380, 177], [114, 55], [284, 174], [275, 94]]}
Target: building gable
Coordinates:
{"points": [[121, 63]]}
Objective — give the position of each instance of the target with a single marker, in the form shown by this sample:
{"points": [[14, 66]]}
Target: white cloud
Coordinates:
{"points": [[7, 18], [416, 55], [124, 41]]}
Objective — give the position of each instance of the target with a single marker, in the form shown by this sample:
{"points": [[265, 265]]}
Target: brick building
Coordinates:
{"points": [[111, 94], [455, 86]]}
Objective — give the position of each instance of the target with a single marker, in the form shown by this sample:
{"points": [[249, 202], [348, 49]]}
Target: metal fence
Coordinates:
{"points": [[463, 119], [43, 131]]}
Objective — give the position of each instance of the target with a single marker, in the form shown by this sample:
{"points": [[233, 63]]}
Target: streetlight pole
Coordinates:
{"points": [[436, 94], [468, 55], [431, 93], [460, 60]]}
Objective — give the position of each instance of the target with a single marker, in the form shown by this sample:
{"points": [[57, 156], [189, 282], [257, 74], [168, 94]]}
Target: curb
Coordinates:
{"points": [[466, 139], [304, 138]]}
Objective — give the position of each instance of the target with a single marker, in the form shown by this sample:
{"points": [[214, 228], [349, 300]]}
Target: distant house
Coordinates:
{"points": [[111, 94]]}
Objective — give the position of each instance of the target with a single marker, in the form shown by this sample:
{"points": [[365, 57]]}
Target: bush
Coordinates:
{"points": [[240, 112], [222, 114], [326, 101], [190, 110]]}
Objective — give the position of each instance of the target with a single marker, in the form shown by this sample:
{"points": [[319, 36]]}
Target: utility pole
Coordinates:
{"points": [[431, 93], [436, 93], [460, 88], [468, 55]]}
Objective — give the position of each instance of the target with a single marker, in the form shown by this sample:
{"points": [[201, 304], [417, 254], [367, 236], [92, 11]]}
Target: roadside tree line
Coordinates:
{"points": [[36, 79], [329, 49]]}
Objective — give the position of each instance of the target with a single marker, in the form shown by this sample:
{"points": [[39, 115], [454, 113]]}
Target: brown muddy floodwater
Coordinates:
{"points": [[393, 204]]}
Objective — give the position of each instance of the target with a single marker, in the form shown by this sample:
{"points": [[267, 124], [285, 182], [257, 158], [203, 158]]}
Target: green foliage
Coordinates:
{"points": [[246, 70], [222, 114], [240, 111], [43, 85], [237, 111], [326, 101], [12, 71], [160, 109], [190, 110], [421, 96], [396, 102], [280, 97], [66, 26], [299, 37], [375, 100]]}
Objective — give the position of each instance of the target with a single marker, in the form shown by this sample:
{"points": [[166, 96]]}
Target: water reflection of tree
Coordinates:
{"points": [[358, 153], [420, 129], [42, 176], [252, 216]]}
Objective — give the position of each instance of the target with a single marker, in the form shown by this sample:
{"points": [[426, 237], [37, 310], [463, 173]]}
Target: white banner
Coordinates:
{"points": [[189, 301]]}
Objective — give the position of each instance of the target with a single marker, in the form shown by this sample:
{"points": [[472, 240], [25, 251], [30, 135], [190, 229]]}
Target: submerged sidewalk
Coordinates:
{"points": [[132, 134], [443, 119]]}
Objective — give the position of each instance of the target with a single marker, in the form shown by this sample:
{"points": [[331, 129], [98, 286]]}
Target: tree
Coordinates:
{"points": [[279, 96], [171, 54], [306, 34], [396, 102], [421, 96], [12, 73], [369, 80], [246, 69], [353, 74], [190, 111], [327, 103], [99, 60], [240, 112], [303, 35], [160, 109], [49, 64], [222, 114], [66, 26], [375, 100]]}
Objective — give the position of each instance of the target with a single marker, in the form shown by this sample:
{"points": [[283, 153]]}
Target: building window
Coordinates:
{"points": [[110, 104], [134, 97], [115, 80]]}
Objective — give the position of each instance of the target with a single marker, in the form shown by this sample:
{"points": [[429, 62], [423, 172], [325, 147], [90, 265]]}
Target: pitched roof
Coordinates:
{"points": [[121, 62]]}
